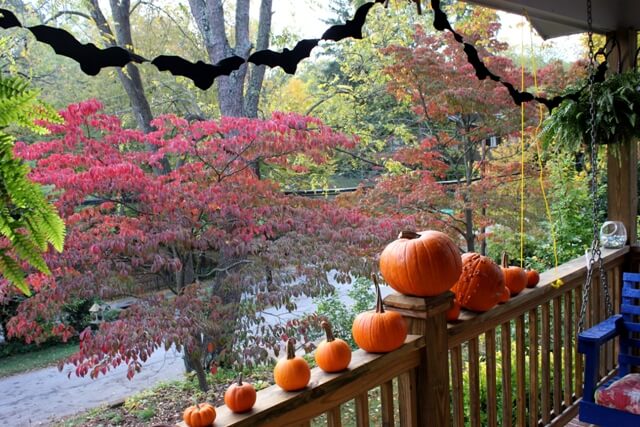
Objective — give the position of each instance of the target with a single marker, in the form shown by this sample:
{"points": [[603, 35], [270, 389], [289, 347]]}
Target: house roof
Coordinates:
{"points": [[554, 18]]}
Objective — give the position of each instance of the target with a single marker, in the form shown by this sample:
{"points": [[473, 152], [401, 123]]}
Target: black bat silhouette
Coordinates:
{"points": [[288, 60], [201, 73], [351, 28], [8, 19], [91, 58]]}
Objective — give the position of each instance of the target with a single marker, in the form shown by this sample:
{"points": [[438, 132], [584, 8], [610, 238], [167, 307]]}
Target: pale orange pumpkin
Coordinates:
{"points": [[481, 283], [333, 354], [292, 373], [379, 331], [515, 278], [199, 415], [240, 397], [533, 278], [422, 264]]}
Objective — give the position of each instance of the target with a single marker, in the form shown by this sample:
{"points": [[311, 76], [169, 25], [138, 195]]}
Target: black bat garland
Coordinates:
{"points": [[92, 59]]}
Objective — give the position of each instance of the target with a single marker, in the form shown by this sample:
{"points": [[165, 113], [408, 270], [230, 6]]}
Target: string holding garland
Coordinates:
{"points": [[92, 59]]}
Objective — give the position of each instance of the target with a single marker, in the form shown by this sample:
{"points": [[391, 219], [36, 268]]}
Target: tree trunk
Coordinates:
{"points": [[209, 17], [468, 212]]}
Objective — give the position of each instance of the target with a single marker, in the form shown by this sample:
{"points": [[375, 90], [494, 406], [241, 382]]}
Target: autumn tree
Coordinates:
{"points": [[228, 243]]}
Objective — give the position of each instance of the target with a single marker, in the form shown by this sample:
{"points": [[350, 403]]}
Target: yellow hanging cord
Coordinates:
{"points": [[558, 282], [522, 178]]}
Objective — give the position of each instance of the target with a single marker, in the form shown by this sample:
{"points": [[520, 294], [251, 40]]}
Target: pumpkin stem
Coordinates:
{"points": [[408, 234], [379, 306], [240, 379], [505, 260], [291, 349], [327, 330]]}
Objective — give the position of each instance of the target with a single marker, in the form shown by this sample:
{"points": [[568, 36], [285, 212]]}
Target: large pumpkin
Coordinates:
{"points": [[481, 283], [292, 373], [199, 415], [515, 278], [422, 264], [240, 397], [533, 278], [333, 354], [379, 331]]}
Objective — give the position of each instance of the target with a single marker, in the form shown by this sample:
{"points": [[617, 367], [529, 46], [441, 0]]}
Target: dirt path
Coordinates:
{"points": [[31, 398]]}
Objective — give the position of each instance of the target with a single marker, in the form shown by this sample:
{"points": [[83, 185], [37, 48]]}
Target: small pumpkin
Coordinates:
{"points": [[240, 397], [454, 312], [481, 283], [423, 264], [379, 331], [333, 354], [533, 278], [504, 295], [515, 278], [199, 415], [292, 373]]}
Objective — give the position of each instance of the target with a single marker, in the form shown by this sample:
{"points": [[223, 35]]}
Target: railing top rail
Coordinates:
{"points": [[471, 325], [325, 391]]}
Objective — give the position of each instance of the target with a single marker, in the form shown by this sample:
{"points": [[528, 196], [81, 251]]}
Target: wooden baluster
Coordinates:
{"points": [[407, 399], [334, 417], [545, 380], [521, 392], [579, 371], [505, 353], [474, 382], [456, 386], [386, 401], [533, 368], [492, 393], [557, 357], [362, 410], [568, 351]]}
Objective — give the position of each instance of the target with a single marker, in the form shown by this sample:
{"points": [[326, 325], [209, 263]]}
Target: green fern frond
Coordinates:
{"points": [[10, 269], [30, 252]]}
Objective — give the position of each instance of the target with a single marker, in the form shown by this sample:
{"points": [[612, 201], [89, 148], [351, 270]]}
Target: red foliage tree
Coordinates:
{"points": [[225, 242]]}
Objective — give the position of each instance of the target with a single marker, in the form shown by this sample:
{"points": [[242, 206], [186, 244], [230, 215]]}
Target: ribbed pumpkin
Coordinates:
{"points": [[199, 415], [333, 354], [379, 331], [515, 278], [504, 295], [292, 373], [533, 278], [240, 397], [422, 264], [454, 312], [481, 283]]}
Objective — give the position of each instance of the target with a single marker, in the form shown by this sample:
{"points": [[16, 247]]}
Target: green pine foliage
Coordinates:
{"points": [[27, 220]]}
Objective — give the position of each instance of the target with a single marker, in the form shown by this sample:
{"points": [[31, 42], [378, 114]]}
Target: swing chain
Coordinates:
{"points": [[594, 251]]}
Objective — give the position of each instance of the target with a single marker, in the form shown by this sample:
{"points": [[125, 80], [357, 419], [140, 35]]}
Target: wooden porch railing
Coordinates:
{"points": [[514, 365]]}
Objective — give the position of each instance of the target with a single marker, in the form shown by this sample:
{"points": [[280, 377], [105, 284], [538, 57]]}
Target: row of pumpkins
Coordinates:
{"points": [[421, 264]]}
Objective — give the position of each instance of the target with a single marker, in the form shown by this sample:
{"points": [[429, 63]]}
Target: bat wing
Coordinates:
{"points": [[229, 65], [266, 57], [200, 73], [8, 19], [352, 28]]}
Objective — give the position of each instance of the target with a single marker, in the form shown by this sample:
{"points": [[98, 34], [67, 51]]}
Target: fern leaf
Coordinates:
{"points": [[12, 271], [30, 252]]}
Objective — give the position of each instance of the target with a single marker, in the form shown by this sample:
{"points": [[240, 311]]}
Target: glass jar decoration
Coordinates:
{"points": [[613, 235]]}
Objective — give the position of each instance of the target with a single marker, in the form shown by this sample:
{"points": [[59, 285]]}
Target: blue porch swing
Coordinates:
{"points": [[625, 326]]}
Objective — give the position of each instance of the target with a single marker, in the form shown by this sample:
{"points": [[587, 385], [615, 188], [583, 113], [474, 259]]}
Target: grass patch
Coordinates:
{"points": [[37, 359]]}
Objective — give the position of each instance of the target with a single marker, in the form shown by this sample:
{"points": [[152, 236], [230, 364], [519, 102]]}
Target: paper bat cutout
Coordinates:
{"points": [[352, 28], [201, 73], [288, 60], [8, 19]]}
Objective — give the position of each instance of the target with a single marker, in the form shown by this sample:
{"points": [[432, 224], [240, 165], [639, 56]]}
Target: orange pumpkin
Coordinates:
{"points": [[515, 278], [533, 278], [422, 264], [504, 295], [454, 312], [481, 283], [240, 397], [199, 415], [333, 354], [379, 331], [292, 373]]}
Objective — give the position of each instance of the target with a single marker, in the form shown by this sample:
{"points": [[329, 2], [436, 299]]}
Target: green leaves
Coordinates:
{"points": [[27, 220]]}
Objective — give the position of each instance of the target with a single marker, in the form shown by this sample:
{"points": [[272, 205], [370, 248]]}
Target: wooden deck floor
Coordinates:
{"points": [[577, 423]]}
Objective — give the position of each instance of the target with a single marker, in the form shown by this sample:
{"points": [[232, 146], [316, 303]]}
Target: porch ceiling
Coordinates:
{"points": [[554, 18]]}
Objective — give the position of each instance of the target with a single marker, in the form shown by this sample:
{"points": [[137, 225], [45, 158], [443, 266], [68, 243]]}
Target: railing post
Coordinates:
{"points": [[427, 316]]}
